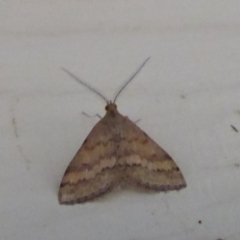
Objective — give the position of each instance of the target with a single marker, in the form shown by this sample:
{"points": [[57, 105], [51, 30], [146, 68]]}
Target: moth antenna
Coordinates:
{"points": [[130, 79], [85, 84]]}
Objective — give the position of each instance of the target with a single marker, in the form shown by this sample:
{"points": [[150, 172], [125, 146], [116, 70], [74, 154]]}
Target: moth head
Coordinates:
{"points": [[111, 107]]}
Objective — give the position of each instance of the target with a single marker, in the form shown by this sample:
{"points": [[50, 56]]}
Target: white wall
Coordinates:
{"points": [[187, 96]]}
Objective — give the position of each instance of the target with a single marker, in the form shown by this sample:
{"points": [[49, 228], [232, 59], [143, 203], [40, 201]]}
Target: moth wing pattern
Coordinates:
{"points": [[147, 164], [92, 172], [117, 150]]}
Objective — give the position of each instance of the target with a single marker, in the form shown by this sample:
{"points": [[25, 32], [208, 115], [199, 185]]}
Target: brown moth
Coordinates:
{"points": [[116, 151]]}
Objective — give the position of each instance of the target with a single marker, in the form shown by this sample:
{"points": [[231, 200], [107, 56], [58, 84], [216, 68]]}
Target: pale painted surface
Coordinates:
{"points": [[187, 96]]}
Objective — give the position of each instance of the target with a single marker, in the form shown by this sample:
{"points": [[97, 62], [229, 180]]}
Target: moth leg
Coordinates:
{"points": [[134, 121], [137, 121], [87, 115]]}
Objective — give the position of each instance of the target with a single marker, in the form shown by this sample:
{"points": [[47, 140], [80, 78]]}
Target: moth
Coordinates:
{"points": [[117, 151]]}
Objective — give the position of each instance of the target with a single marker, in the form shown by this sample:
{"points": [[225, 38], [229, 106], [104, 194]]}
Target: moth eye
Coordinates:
{"points": [[106, 108]]}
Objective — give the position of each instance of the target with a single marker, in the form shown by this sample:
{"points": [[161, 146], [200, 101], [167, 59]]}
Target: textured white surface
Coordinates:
{"points": [[187, 96]]}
